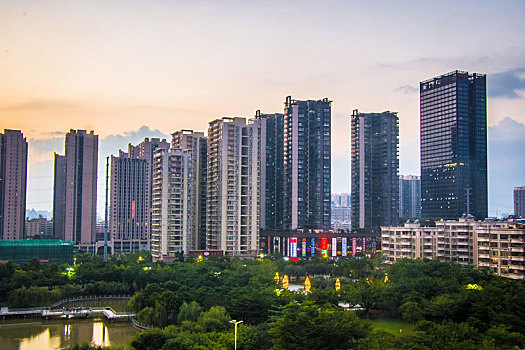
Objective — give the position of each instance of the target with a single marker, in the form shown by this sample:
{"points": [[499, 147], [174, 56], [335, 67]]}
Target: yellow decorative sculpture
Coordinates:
{"points": [[276, 278], [337, 285], [285, 282], [307, 285]]}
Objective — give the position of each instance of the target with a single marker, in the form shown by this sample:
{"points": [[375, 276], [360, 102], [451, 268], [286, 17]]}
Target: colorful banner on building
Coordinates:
{"points": [[293, 247], [354, 245], [344, 247], [334, 246]]}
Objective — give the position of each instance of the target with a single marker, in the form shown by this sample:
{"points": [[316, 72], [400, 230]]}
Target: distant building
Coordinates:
{"points": [[13, 184], [40, 226], [453, 110], [409, 196], [307, 164], [130, 196], [497, 245], [232, 215], [519, 201], [341, 200], [45, 250], [79, 186], [375, 163], [341, 211]]}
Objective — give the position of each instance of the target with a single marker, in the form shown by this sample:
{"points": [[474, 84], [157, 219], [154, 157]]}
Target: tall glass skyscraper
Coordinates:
{"points": [[453, 109], [375, 164]]}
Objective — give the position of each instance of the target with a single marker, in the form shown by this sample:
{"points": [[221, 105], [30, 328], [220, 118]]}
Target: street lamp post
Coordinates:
{"points": [[235, 322]]}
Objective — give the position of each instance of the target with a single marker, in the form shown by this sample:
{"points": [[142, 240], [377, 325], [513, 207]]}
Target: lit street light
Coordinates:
{"points": [[235, 322]]}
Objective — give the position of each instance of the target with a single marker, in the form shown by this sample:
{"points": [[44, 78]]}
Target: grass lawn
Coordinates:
{"points": [[391, 325]]}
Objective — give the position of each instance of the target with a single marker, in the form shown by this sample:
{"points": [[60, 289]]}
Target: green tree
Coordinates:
{"points": [[189, 312], [310, 326], [216, 319]]}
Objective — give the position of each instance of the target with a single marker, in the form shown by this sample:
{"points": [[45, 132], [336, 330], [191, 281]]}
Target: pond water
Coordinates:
{"points": [[39, 334]]}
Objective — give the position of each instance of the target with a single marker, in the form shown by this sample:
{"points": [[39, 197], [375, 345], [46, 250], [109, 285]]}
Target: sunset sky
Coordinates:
{"points": [[131, 69]]}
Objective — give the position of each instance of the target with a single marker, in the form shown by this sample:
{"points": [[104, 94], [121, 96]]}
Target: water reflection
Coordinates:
{"points": [[59, 334]]}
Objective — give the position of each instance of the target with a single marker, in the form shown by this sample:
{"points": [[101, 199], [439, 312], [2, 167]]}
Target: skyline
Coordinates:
{"points": [[117, 67]]}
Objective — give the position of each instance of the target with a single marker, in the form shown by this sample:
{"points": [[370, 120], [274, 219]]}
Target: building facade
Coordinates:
{"points": [[409, 196], [232, 216], [13, 184], [59, 197], [374, 174], [453, 110], [130, 211], [497, 245], [519, 201], [196, 144], [39, 227], [307, 164], [75, 190], [173, 230]]}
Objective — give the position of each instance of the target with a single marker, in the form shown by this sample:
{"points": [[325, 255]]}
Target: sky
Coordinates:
{"points": [[130, 69]]}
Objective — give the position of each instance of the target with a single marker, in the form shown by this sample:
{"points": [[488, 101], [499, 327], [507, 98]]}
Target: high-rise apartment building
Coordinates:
{"points": [[196, 144], [79, 182], [173, 230], [271, 143], [409, 196], [130, 211], [307, 164], [453, 110], [59, 197], [13, 184], [232, 216], [519, 201], [375, 164]]}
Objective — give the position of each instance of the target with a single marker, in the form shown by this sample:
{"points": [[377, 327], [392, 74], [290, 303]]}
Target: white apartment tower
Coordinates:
{"points": [[172, 230], [196, 144], [232, 220]]}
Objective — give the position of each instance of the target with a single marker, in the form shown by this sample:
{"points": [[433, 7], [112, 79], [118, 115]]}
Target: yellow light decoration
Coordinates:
{"points": [[474, 286], [285, 282], [337, 285], [276, 278], [386, 279], [307, 285]]}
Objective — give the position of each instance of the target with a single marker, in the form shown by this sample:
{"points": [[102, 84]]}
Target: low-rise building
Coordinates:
{"points": [[497, 245]]}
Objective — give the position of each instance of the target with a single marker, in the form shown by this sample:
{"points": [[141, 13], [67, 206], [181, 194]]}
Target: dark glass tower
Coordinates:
{"points": [[375, 164], [453, 110], [271, 161], [307, 167]]}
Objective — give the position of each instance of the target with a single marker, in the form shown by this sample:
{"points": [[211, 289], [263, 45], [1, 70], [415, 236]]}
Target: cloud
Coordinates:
{"points": [[505, 84], [112, 143], [506, 142], [407, 89], [38, 104]]}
